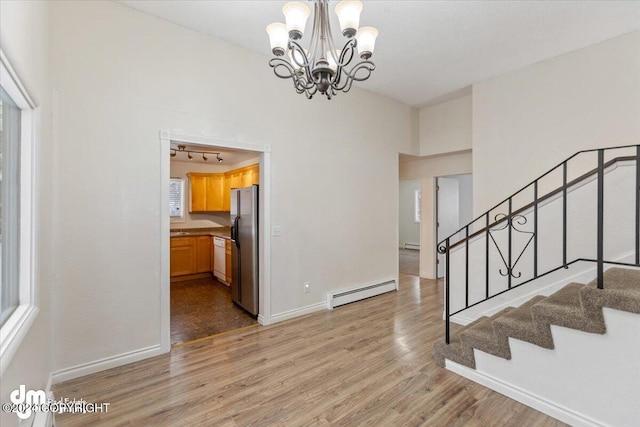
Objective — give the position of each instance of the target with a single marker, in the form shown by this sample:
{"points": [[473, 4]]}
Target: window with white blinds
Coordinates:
{"points": [[176, 198]]}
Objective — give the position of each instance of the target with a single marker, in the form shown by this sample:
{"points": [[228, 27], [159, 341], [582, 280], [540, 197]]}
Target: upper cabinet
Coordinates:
{"points": [[212, 191], [206, 191]]}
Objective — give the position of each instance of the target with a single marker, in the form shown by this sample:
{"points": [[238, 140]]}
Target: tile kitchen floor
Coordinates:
{"points": [[203, 307]]}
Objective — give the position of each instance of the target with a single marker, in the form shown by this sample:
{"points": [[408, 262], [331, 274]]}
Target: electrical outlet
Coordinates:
{"points": [[307, 287], [277, 230]]}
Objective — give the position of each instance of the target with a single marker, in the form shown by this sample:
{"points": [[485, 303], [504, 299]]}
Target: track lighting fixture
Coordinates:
{"points": [[183, 149]]}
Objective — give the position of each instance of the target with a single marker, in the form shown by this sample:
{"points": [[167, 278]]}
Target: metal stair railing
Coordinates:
{"points": [[514, 218]]}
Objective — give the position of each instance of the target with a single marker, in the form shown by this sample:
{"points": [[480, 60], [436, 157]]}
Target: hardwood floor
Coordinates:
{"points": [[367, 363], [203, 307]]}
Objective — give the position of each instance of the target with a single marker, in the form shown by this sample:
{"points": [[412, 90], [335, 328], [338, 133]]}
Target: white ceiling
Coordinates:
{"points": [[428, 49]]}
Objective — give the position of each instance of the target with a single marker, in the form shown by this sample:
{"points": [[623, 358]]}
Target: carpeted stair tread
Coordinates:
{"points": [[564, 308], [456, 350], [483, 337], [519, 323], [574, 306], [621, 292]]}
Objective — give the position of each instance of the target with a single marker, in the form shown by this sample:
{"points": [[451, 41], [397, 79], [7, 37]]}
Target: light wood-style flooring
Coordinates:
{"points": [[367, 363]]}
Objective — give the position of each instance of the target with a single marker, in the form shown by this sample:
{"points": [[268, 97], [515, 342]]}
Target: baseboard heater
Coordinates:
{"points": [[357, 294], [412, 246]]}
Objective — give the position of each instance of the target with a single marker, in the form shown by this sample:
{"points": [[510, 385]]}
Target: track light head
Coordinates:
{"points": [[205, 158], [189, 156], [218, 157], [173, 153]]}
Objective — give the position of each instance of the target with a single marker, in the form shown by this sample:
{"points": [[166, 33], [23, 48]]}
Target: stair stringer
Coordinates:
{"points": [[588, 379]]}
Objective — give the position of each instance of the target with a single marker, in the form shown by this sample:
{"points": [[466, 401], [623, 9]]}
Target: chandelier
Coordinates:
{"points": [[322, 68]]}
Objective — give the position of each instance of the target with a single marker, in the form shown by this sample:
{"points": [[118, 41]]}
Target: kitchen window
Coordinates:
{"points": [[176, 199], [17, 292]]}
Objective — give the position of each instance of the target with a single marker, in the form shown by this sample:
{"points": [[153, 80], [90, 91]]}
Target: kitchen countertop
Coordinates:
{"points": [[189, 232]]}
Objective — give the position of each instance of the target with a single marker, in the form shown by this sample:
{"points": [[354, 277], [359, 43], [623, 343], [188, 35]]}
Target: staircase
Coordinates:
{"points": [[576, 306], [541, 242]]}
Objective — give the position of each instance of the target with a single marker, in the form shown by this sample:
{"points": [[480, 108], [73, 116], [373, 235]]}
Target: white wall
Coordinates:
{"points": [[24, 38], [446, 127], [121, 76], [409, 229], [527, 121], [466, 198], [426, 170], [586, 380]]}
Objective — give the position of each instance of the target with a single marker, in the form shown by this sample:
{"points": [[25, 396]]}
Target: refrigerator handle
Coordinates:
{"points": [[234, 232]]}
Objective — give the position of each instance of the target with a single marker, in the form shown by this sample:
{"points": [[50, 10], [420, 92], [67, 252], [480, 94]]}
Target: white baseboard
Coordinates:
{"points": [[537, 402], [106, 363], [290, 314], [263, 320]]}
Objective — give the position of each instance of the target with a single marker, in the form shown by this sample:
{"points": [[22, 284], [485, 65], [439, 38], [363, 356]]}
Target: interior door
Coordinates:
{"points": [[448, 213]]}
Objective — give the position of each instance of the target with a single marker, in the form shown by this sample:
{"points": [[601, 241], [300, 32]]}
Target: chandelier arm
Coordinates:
{"points": [[295, 47], [346, 56], [303, 85], [280, 65], [284, 70], [367, 65], [351, 76], [305, 67], [348, 48]]}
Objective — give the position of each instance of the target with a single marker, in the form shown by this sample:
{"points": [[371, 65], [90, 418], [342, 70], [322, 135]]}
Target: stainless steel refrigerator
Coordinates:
{"points": [[244, 247]]}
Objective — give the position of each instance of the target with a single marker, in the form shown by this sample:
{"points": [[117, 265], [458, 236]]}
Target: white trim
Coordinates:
{"points": [[296, 312], [13, 332], [532, 400], [106, 363], [165, 220], [264, 292], [17, 325], [13, 86]]}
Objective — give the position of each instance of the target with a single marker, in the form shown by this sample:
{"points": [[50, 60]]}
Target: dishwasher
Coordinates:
{"points": [[219, 258]]}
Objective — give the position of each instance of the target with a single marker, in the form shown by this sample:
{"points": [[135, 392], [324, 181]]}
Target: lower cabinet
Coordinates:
{"points": [[203, 254], [190, 255], [182, 256]]}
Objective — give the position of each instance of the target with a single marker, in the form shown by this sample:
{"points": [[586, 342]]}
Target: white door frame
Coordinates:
{"points": [[264, 249]]}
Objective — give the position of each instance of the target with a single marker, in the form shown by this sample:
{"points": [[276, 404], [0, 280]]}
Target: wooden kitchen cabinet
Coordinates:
{"points": [[190, 255], [210, 192], [238, 178], [251, 175], [182, 256], [203, 254], [206, 192]]}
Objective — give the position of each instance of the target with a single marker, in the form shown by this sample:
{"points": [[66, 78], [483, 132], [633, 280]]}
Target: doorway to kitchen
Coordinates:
{"points": [[197, 246]]}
